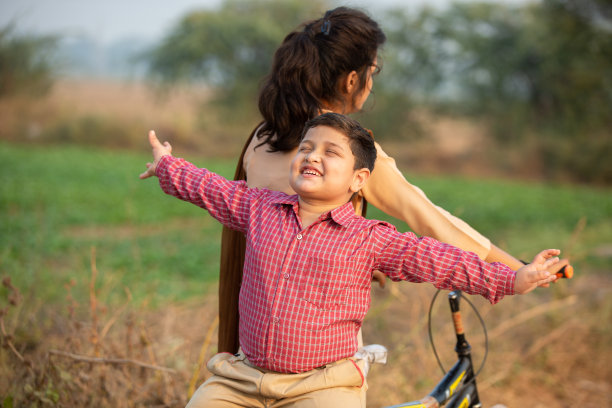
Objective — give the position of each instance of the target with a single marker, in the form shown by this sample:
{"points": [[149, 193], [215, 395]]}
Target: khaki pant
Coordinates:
{"points": [[237, 383]]}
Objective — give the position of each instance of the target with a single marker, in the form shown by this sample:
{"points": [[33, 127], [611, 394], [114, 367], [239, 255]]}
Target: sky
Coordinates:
{"points": [[111, 20]]}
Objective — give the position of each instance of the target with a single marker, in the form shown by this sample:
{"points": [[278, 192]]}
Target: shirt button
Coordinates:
{"points": [[299, 236], [286, 276], [276, 319]]}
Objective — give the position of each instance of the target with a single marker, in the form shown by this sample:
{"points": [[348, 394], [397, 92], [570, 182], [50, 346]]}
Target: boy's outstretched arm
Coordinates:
{"points": [[159, 150], [540, 272]]}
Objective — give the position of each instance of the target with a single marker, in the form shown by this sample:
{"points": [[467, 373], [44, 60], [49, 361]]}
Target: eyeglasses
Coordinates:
{"points": [[376, 70]]}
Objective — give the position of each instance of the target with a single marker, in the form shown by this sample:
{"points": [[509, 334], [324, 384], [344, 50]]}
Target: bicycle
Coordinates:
{"points": [[458, 389]]}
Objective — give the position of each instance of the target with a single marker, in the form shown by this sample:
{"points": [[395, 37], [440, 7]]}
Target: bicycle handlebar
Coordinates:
{"points": [[566, 272], [458, 386]]}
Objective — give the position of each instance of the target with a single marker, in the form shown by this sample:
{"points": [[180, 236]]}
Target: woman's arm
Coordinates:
{"points": [[499, 255], [389, 191]]}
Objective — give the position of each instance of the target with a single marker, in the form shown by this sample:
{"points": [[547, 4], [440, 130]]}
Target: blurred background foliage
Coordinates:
{"points": [[230, 48], [539, 71], [537, 76], [26, 63]]}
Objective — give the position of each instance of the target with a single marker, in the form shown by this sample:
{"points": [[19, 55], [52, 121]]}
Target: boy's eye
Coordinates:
{"points": [[329, 151], [303, 149]]}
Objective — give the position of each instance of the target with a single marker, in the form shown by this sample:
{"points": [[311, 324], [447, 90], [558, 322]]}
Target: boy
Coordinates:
{"points": [[308, 270]]}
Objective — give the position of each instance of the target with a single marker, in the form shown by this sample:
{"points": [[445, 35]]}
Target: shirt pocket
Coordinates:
{"points": [[326, 282]]}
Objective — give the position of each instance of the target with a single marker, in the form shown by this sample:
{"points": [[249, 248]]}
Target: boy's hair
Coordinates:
{"points": [[360, 140]]}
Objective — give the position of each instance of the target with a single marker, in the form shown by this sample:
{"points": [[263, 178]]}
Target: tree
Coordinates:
{"points": [[230, 48], [25, 63], [540, 69], [539, 60]]}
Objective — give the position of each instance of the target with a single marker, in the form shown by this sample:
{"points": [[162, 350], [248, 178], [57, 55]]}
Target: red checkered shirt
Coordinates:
{"points": [[306, 291]]}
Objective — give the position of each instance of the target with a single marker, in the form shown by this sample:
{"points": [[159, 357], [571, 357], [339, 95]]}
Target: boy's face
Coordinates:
{"points": [[323, 168]]}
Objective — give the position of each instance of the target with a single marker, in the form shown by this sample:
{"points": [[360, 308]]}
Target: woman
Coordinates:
{"points": [[326, 66]]}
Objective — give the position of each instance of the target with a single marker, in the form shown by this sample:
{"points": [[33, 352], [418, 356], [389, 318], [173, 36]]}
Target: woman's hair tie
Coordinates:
{"points": [[326, 26]]}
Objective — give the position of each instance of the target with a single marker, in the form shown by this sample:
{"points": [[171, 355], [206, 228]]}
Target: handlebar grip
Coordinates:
{"points": [[566, 272], [458, 322], [453, 298]]}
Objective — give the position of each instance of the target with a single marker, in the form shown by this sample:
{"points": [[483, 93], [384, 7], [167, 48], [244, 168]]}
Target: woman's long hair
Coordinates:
{"points": [[306, 70]]}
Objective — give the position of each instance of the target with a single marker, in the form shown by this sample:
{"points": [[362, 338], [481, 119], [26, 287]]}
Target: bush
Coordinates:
{"points": [[584, 159], [25, 63]]}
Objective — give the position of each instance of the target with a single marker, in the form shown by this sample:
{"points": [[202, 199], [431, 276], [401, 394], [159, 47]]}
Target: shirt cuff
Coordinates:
{"points": [[162, 166], [505, 279]]}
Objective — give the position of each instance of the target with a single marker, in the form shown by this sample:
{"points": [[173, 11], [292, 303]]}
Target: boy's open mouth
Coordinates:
{"points": [[311, 171]]}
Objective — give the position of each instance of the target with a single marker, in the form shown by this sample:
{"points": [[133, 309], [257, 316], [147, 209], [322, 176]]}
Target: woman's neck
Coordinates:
{"points": [[341, 108]]}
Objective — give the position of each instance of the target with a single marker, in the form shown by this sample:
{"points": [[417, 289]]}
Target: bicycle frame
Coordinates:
{"points": [[457, 389]]}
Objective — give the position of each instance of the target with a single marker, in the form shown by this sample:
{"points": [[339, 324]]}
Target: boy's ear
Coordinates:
{"points": [[360, 176]]}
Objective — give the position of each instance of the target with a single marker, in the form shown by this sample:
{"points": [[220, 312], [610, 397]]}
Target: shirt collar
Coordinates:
{"points": [[282, 198], [341, 215], [344, 214]]}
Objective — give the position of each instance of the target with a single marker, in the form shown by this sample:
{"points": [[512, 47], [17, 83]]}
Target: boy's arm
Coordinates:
{"points": [[226, 201], [408, 257], [404, 256]]}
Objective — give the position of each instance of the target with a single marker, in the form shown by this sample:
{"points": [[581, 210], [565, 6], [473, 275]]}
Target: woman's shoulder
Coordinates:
{"points": [[265, 168], [252, 145], [380, 153]]}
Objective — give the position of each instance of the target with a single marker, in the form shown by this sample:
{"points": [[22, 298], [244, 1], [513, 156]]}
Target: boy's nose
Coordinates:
{"points": [[313, 157]]}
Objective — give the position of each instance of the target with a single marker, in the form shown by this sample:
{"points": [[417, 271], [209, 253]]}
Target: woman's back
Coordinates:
{"points": [[266, 169]]}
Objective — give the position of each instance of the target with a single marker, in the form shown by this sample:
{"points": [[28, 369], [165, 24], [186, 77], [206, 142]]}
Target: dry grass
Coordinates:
{"points": [[118, 115], [548, 349], [91, 355]]}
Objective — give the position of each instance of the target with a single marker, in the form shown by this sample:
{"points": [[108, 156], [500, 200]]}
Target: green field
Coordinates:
{"points": [[157, 262], [57, 203]]}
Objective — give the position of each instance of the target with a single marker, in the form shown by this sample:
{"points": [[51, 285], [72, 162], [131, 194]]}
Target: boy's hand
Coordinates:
{"points": [[159, 151], [540, 272]]}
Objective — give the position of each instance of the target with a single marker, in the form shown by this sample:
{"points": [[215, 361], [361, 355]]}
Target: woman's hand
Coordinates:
{"points": [[379, 277]]}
